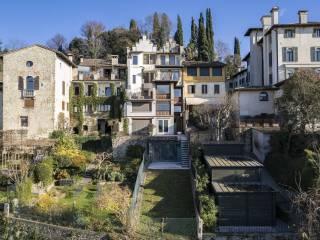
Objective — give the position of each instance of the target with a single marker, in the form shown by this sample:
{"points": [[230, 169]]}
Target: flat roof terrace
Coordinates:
{"points": [[240, 188], [231, 162]]}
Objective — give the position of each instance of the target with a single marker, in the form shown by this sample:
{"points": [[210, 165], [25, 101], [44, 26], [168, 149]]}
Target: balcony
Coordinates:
{"points": [[163, 113], [168, 76], [28, 93], [140, 96], [163, 96], [99, 76]]}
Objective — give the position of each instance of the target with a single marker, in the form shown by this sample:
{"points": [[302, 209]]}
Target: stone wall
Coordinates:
{"points": [[121, 143]]}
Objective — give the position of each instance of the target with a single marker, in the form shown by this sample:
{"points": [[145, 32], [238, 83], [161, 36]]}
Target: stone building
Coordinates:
{"points": [[35, 90], [97, 89]]}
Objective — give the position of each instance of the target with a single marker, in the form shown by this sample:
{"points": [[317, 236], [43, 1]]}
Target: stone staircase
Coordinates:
{"points": [[185, 157]]}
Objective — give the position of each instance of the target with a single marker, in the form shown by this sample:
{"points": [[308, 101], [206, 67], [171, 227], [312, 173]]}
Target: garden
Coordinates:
{"points": [[78, 184]]}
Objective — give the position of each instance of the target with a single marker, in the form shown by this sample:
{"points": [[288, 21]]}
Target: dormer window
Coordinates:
{"points": [[29, 63], [289, 33], [263, 97]]}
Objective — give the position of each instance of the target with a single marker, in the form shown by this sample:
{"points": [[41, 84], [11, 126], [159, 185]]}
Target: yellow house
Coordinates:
{"points": [[203, 83]]}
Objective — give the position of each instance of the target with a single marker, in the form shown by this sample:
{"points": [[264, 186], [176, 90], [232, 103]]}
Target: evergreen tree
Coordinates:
{"points": [[209, 33], [165, 29], [133, 25], [236, 52], [194, 32], [203, 54], [156, 27], [178, 37]]}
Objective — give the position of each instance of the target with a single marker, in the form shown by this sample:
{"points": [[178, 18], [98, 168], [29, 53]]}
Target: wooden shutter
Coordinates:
{"points": [[20, 83], [284, 59], [295, 54], [36, 83], [312, 53]]}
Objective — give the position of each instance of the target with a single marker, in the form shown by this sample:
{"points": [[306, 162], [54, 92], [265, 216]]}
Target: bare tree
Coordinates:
{"points": [[222, 50], [58, 42], [92, 32], [14, 44], [216, 117], [307, 203]]}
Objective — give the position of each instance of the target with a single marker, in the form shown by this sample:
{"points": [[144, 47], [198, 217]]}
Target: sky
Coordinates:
{"points": [[36, 21]]}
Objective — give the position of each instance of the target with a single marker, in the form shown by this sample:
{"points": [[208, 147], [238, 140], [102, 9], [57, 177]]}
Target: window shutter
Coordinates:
{"points": [[312, 52], [295, 54], [36, 83], [284, 54], [20, 83]]}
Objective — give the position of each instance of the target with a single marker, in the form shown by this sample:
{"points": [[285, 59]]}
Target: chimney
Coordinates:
{"points": [[274, 15], [303, 16], [81, 58], [70, 56], [266, 22]]}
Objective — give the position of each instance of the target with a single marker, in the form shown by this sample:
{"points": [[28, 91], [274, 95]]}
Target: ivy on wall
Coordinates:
{"points": [[77, 103]]}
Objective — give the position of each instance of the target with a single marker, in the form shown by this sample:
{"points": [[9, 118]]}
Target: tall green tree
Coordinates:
{"points": [[194, 32], [156, 27], [203, 53], [209, 33], [178, 36], [133, 25], [165, 29], [236, 52], [78, 47]]}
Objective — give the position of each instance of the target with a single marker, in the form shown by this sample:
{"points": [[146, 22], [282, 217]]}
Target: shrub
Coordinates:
{"points": [[23, 190], [62, 174], [135, 151], [208, 212], [43, 171], [57, 134], [46, 204]]}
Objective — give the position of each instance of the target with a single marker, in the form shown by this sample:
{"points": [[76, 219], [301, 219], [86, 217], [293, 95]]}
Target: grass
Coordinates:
{"points": [[167, 204]]}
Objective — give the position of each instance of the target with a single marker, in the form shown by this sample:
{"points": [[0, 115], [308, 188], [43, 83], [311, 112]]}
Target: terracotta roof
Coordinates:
{"points": [[59, 54], [203, 64]]}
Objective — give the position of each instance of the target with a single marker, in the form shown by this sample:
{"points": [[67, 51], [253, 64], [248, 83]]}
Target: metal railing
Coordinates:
{"points": [[28, 93]]}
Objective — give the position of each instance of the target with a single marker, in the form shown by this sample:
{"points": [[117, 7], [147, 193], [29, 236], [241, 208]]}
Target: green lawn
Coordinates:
{"points": [[167, 204]]}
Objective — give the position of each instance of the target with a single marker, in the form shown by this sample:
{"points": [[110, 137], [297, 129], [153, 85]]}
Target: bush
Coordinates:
{"points": [[208, 212], [24, 191], [43, 171], [135, 151], [57, 134], [61, 174]]}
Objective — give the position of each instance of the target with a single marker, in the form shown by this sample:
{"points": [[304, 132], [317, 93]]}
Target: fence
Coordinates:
{"points": [[133, 212]]}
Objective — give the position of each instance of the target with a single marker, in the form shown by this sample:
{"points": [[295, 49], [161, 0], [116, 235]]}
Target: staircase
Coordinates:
{"points": [[185, 158]]}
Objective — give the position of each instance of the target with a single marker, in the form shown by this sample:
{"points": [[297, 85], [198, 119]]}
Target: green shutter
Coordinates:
{"points": [[284, 54], [312, 53]]}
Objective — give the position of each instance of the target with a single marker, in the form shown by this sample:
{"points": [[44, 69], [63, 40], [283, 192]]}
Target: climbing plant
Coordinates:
{"points": [[77, 102]]}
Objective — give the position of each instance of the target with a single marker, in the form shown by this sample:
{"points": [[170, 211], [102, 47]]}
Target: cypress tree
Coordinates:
{"points": [[194, 32], [156, 27], [209, 33], [178, 36], [203, 54], [133, 25], [236, 52], [165, 28]]}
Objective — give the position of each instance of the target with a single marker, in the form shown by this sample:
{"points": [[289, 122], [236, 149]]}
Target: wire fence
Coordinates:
{"points": [[133, 212]]}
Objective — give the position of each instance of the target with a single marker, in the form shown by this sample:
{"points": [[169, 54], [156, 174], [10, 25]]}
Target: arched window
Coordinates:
{"points": [[263, 96], [29, 63], [30, 83]]}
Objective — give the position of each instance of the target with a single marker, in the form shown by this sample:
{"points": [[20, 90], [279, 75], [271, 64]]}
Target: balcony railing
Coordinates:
{"points": [[139, 96], [28, 93], [163, 113], [168, 76], [98, 76]]}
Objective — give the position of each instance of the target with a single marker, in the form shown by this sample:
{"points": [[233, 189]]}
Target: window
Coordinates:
{"points": [[216, 72], [230, 85], [289, 33], [89, 108], [290, 54], [149, 58], [204, 72], [177, 109], [163, 106], [172, 60], [270, 79], [177, 92], [30, 83], [108, 91], [163, 59], [175, 75], [316, 32], [77, 90], [263, 97], [163, 126], [104, 108], [192, 71], [85, 127], [118, 91], [148, 77], [135, 60], [191, 89], [75, 109], [63, 87], [163, 89], [315, 54], [204, 89], [29, 63], [24, 122], [216, 89], [90, 90], [270, 59], [134, 79], [63, 105]]}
